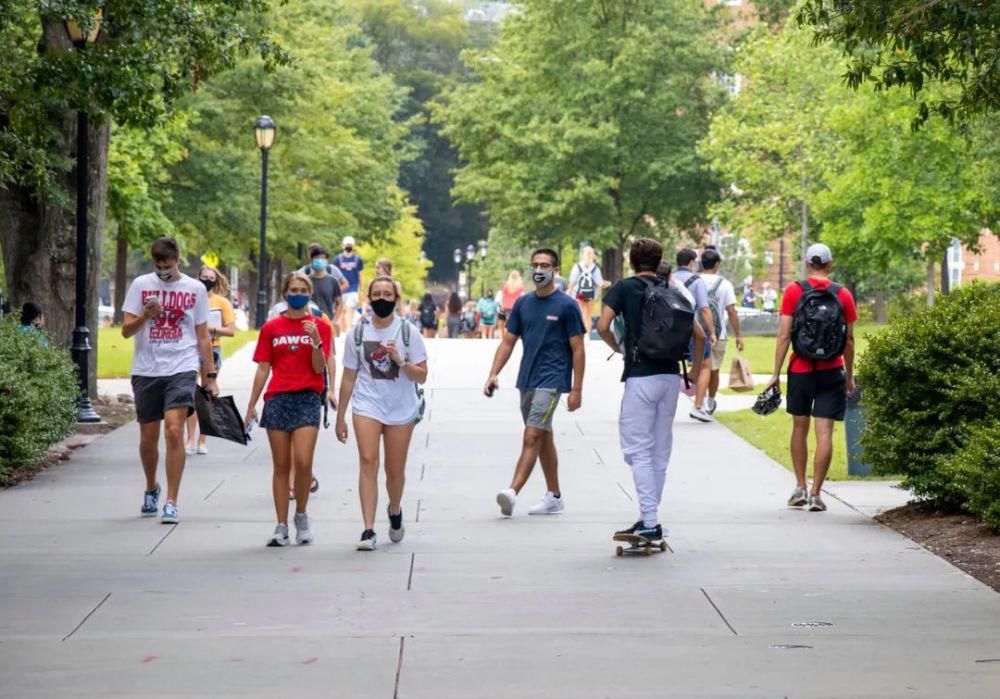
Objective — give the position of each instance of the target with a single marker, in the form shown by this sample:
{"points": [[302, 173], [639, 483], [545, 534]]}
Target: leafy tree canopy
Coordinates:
{"points": [[914, 43]]}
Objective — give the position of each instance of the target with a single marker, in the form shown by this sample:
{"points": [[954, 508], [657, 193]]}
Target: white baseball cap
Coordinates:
{"points": [[818, 254], [348, 240]]}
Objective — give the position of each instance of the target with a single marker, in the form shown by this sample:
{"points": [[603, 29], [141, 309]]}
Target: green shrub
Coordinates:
{"points": [[38, 391], [929, 381], [975, 470]]}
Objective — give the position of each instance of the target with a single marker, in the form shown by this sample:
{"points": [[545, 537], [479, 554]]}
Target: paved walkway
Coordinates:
{"points": [[754, 600]]}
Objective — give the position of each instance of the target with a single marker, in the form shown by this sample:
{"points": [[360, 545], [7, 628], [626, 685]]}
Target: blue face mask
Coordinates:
{"points": [[319, 264], [297, 301]]}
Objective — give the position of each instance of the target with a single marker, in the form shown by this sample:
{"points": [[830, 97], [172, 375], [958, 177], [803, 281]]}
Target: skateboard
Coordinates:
{"points": [[638, 544]]}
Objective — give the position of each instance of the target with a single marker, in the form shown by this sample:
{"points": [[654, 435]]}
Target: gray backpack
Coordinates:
{"points": [[404, 331]]}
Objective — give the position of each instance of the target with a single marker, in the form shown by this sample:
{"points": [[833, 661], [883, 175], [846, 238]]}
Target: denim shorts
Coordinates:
{"points": [[288, 412]]}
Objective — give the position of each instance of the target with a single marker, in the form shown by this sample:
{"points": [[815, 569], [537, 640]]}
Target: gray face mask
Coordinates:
{"points": [[542, 277], [167, 274]]}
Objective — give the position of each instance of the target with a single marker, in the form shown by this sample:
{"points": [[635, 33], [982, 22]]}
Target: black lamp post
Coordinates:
{"points": [[470, 256], [81, 333], [263, 130]]}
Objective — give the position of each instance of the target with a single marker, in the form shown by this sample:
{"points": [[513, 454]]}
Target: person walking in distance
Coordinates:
{"points": [[328, 282], [487, 307], [769, 298], [291, 354], [428, 311], [817, 320], [350, 265], [453, 319], [687, 262], [384, 364], [510, 292], [221, 323], [651, 374], [584, 282], [549, 325], [167, 313], [721, 304]]}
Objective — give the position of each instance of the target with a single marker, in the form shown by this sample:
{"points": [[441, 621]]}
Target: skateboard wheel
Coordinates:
{"points": [[663, 545], [619, 551], [648, 551]]}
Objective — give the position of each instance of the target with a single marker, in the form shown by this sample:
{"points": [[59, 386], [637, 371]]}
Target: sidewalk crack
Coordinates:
{"points": [[172, 527], [90, 614], [718, 611]]}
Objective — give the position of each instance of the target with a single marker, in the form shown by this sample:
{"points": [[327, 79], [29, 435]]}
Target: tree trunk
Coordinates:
{"points": [[38, 237], [881, 317], [945, 273], [121, 275], [930, 281], [611, 264]]}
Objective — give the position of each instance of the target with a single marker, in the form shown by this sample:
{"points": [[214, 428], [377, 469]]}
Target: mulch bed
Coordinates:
{"points": [[960, 539], [115, 411]]}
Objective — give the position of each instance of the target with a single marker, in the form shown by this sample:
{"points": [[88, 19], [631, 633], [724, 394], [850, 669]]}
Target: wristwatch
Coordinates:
{"points": [[212, 375]]}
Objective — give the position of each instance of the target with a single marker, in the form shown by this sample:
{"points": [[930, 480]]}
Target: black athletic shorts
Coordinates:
{"points": [[818, 393], [154, 395]]}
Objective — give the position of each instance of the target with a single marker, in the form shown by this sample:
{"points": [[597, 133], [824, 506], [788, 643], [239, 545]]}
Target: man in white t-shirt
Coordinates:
{"points": [[722, 302], [167, 312]]}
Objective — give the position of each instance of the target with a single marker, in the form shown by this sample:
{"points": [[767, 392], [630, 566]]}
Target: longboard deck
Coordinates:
{"points": [[639, 545]]}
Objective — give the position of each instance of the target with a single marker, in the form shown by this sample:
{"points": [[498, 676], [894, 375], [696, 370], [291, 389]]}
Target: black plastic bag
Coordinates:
{"points": [[218, 417]]}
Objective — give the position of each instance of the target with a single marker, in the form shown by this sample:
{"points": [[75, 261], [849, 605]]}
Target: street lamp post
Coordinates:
{"points": [[263, 130], [483, 249], [470, 255], [81, 333], [457, 256]]}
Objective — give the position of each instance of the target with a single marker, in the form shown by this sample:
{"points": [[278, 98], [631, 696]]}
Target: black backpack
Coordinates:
{"points": [[819, 330], [667, 322], [585, 285]]}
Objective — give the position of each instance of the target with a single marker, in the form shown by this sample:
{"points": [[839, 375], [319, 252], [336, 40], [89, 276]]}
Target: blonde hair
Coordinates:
{"points": [[221, 282], [587, 255], [386, 265], [514, 280], [295, 276]]}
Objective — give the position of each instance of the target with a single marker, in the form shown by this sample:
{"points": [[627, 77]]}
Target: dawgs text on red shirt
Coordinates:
{"points": [[285, 344]]}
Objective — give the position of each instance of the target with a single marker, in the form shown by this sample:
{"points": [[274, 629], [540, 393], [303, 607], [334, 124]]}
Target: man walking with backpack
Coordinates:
{"points": [[721, 303], [687, 260], [659, 327], [817, 320], [584, 282]]}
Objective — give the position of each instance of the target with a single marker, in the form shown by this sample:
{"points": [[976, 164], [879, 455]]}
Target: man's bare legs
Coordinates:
{"points": [[531, 445], [173, 428], [824, 452], [149, 451], [800, 448], [550, 462]]}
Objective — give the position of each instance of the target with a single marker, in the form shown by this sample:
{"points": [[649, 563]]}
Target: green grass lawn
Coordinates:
{"points": [[760, 350], [114, 353], [771, 435]]}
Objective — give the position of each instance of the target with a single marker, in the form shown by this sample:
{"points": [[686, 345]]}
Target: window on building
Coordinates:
{"points": [[731, 83]]}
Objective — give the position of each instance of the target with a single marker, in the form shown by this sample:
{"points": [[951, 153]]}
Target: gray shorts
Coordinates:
{"points": [[155, 395], [537, 407]]}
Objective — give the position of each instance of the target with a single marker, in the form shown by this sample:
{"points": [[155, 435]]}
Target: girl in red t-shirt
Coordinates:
{"points": [[292, 349], [509, 294]]}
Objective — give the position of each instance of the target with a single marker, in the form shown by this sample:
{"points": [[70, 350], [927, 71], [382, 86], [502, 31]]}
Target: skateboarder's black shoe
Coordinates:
{"points": [[649, 533], [628, 532]]}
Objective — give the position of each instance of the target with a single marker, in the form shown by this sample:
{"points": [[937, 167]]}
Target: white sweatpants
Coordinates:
{"points": [[646, 431]]}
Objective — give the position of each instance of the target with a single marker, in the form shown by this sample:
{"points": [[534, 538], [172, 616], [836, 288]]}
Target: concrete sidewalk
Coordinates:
{"points": [[754, 600]]}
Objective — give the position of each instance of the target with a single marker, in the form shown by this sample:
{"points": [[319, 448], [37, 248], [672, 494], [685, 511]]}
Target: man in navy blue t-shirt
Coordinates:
{"points": [[551, 331]]}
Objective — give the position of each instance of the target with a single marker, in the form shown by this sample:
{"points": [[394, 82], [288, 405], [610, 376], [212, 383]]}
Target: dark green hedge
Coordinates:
{"points": [[931, 384], [38, 391]]}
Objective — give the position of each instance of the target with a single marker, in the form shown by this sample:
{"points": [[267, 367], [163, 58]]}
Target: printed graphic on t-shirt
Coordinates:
{"points": [[292, 342], [379, 362], [166, 328]]}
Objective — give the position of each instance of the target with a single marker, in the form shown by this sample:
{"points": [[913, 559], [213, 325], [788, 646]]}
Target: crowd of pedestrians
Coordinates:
{"points": [[671, 326]]}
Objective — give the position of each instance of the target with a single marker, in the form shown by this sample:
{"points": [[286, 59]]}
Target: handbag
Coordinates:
{"points": [[740, 377], [219, 417]]}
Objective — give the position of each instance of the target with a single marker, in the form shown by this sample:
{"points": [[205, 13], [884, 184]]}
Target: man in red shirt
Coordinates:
{"points": [[817, 388]]}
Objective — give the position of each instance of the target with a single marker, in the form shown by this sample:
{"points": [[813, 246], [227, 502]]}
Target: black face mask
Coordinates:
{"points": [[209, 284], [348, 249], [383, 308]]}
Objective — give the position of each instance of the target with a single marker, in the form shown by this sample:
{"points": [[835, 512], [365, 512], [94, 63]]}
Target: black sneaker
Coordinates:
{"points": [[625, 533], [396, 530], [367, 542], [150, 502], [649, 533]]}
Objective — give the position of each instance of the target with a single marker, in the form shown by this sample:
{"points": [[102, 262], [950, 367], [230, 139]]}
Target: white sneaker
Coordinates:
{"points": [[816, 503], [303, 529], [203, 449], [700, 415], [189, 449], [280, 536], [711, 405], [548, 505], [506, 499]]}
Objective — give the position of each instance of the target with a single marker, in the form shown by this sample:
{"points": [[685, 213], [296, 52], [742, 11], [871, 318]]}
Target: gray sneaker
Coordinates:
{"points": [[303, 529], [800, 497], [700, 415], [280, 536], [816, 503], [710, 405]]}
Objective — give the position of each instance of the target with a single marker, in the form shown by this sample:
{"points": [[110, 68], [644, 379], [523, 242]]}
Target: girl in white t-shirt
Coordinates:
{"points": [[384, 363]]}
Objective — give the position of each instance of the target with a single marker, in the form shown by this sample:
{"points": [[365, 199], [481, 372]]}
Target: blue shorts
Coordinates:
{"points": [[287, 412], [708, 348]]}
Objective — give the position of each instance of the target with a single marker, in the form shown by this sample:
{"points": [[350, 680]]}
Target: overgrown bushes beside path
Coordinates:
{"points": [[931, 384], [38, 391]]}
